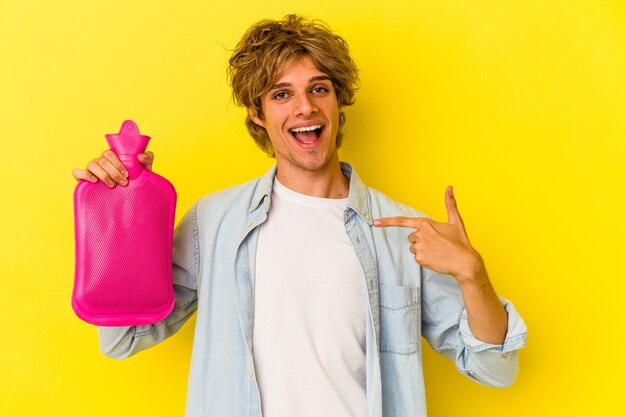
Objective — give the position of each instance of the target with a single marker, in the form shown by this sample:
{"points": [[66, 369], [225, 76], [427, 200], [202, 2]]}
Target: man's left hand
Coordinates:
{"points": [[442, 247]]}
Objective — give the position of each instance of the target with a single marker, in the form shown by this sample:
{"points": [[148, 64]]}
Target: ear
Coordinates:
{"points": [[255, 117]]}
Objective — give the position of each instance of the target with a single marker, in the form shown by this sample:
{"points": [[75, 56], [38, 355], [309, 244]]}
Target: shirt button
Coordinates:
{"points": [[249, 223], [367, 217], [250, 372]]}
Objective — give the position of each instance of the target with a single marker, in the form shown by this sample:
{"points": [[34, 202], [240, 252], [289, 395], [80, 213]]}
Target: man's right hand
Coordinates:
{"points": [[109, 169]]}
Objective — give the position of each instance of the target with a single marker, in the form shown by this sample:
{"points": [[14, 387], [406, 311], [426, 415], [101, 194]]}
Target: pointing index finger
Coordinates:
{"points": [[398, 221]]}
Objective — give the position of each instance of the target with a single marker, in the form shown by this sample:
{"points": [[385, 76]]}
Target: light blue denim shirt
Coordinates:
{"points": [[214, 258]]}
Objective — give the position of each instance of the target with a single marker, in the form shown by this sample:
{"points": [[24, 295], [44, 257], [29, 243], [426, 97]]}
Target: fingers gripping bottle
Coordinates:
{"points": [[123, 236]]}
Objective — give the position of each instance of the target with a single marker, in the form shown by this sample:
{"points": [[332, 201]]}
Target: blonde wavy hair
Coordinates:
{"points": [[270, 46]]}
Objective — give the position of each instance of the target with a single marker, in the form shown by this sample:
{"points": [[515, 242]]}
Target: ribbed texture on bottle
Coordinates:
{"points": [[125, 247]]}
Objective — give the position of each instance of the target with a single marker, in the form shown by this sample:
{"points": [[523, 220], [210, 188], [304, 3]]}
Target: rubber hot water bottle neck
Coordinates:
{"points": [[127, 144]]}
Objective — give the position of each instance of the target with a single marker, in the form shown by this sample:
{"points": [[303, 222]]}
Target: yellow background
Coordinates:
{"points": [[521, 105]]}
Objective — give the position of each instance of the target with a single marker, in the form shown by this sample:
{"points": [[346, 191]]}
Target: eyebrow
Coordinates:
{"points": [[313, 79]]}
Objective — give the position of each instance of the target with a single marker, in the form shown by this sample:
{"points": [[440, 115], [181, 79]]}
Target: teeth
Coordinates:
{"points": [[306, 129]]}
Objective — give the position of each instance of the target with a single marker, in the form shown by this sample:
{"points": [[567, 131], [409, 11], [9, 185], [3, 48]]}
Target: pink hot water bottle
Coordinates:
{"points": [[123, 236]]}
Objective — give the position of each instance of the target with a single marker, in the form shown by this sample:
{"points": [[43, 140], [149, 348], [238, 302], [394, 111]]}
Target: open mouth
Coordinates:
{"points": [[307, 135]]}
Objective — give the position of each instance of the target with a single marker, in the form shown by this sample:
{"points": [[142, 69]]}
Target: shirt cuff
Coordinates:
{"points": [[515, 335]]}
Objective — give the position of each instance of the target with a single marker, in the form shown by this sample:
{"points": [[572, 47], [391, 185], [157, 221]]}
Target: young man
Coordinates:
{"points": [[310, 300]]}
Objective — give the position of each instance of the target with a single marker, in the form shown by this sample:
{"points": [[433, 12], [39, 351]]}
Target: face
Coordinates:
{"points": [[301, 116]]}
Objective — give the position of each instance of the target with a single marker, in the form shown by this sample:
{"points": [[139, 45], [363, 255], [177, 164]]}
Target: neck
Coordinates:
{"points": [[327, 182]]}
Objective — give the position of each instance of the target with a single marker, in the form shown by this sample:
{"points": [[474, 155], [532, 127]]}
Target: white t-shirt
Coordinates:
{"points": [[309, 310]]}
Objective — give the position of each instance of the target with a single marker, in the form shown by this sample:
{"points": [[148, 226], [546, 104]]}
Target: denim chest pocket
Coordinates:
{"points": [[399, 319]]}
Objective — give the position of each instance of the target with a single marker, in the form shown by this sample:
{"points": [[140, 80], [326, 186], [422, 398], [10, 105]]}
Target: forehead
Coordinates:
{"points": [[299, 69]]}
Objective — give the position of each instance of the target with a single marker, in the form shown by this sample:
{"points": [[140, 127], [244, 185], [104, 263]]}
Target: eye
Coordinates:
{"points": [[320, 89], [281, 95]]}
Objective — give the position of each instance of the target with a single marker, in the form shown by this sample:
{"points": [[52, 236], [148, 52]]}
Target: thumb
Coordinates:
{"points": [[146, 158], [454, 217]]}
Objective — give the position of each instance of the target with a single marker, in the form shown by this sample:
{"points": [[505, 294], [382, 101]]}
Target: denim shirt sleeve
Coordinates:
{"points": [[515, 337], [122, 342], [445, 326]]}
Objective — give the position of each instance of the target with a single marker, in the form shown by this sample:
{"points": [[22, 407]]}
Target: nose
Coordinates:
{"points": [[304, 105]]}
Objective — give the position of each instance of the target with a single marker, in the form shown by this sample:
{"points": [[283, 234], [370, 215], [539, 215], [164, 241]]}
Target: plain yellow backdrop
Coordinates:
{"points": [[521, 105]]}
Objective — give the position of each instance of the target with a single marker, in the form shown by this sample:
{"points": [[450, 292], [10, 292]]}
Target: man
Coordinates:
{"points": [[309, 302]]}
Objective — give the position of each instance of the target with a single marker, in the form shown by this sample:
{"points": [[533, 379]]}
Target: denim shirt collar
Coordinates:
{"points": [[357, 198], [263, 190]]}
